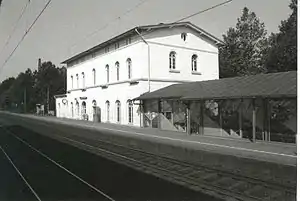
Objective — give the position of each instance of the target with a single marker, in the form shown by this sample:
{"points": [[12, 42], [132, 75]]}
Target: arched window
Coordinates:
{"points": [[72, 81], [172, 60], [77, 80], [194, 62], [94, 103], [72, 109], [118, 70], [118, 111], [129, 67], [107, 73], [107, 110], [94, 76], [77, 108], [83, 107], [130, 111], [183, 36], [83, 80]]}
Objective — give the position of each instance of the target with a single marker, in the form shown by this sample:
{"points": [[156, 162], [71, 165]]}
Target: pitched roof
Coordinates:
{"points": [[145, 28], [273, 85]]}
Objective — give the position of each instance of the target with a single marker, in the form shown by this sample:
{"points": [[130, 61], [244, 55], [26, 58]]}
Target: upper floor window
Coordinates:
{"points": [[183, 36], [107, 49], [107, 73], [172, 60], [118, 70], [83, 80], [94, 76], [72, 81], [129, 66], [194, 62], [77, 80], [117, 45], [128, 41]]}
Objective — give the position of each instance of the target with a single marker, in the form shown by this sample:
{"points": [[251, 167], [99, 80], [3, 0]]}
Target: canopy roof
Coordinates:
{"points": [[273, 85]]}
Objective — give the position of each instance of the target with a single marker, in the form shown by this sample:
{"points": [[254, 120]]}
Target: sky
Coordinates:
{"points": [[68, 27]]}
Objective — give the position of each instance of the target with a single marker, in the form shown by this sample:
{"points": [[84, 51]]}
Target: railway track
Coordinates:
{"points": [[216, 182]]}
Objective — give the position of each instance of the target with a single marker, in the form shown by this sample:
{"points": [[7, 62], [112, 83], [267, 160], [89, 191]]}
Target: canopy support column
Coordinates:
{"points": [[241, 118], [253, 120], [201, 129], [188, 118]]}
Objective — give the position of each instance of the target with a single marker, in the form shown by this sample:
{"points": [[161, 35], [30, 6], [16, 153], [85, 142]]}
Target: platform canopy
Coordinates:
{"points": [[273, 85]]}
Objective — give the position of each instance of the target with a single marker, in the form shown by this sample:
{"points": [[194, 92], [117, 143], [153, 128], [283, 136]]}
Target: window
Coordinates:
{"points": [[130, 111], [77, 108], [117, 45], [118, 111], [172, 60], [118, 70], [128, 41], [107, 110], [72, 82], [72, 109], [194, 62], [94, 76], [83, 109], [183, 36], [107, 73], [77, 80], [107, 49], [83, 80], [129, 66]]}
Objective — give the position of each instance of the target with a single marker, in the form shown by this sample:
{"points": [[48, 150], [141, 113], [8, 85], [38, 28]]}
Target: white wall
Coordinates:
{"points": [[161, 42]]}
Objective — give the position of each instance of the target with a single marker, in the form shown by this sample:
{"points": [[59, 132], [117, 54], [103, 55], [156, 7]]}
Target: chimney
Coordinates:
{"points": [[39, 63]]}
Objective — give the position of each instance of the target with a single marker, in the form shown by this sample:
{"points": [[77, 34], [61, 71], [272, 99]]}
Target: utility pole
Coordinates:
{"points": [[25, 100], [48, 99]]}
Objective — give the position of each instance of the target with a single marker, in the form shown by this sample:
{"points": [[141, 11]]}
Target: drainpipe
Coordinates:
{"points": [[148, 57]]}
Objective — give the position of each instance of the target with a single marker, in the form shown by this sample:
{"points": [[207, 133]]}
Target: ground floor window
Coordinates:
{"points": [[77, 108], [118, 111], [107, 110], [130, 111], [72, 109]]}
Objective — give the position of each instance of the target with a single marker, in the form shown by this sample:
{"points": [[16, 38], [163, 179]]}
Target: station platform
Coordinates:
{"points": [[258, 159]]}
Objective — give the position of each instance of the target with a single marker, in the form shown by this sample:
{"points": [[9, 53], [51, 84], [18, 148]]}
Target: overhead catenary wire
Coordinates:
{"points": [[25, 34], [202, 11], [15, 26], [113, 20]]}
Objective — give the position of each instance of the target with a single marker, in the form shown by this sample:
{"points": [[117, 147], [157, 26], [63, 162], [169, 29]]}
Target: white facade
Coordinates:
{"points": [[165, 56]]}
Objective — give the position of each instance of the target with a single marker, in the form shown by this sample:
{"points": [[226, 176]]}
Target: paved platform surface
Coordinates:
{"points": [[280, 153], [43, 162]]}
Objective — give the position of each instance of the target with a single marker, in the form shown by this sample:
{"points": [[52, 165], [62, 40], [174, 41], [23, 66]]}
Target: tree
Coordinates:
{"points": [[245, 47], [282, 54]]}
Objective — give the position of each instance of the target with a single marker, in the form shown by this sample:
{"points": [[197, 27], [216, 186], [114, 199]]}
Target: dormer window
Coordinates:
{"points": [[183, 36], [117, 45], [128, 41]]}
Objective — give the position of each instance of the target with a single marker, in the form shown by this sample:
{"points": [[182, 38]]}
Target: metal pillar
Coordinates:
{"points": [[159, 113], [253, 120], [201, 129], [188, 119], [241, 118], [220, 117]]}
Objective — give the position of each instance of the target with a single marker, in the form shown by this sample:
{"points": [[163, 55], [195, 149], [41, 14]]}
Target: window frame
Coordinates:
{"points": [[129, 68], [94, 76], [107, 73], [118, 111], [107, 107], [194, 61], [172, 60], [83, 79], [117, 65], [130, 111]]}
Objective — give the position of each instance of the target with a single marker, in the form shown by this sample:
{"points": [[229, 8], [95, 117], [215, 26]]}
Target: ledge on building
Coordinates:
{"points": [[83, 90], [104, 86], [196, 73], [174, 71]]}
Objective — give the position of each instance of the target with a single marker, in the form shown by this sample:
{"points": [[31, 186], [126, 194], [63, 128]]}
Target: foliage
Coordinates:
{"points": [[35, 85], [282, 55], [244, 48]]}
